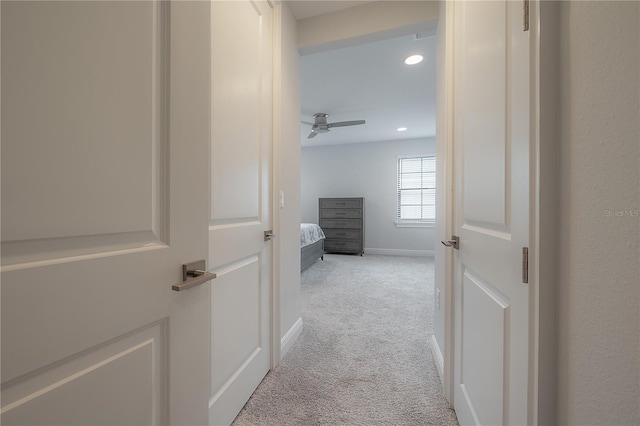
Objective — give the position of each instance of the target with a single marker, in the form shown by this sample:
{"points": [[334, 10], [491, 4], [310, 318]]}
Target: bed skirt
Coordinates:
{"points": [[309, 254]]}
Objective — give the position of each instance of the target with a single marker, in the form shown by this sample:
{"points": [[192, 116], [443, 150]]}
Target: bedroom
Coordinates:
{"points": [[370, 82]]}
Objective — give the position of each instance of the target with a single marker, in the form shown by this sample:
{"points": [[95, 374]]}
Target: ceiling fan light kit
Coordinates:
{"points": [[320, 124]]}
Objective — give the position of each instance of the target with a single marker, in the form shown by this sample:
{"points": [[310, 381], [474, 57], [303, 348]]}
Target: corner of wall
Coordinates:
{"points": [[547, 228]]}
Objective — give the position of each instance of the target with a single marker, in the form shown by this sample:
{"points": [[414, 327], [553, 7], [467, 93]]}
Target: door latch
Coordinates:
{"points": [[193, 274], [453, 242]]}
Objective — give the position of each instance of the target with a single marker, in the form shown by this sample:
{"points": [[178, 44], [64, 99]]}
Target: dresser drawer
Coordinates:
{"points": [[341, 223], [340, 213], [342, 245], [340, 203], [343, 234]]}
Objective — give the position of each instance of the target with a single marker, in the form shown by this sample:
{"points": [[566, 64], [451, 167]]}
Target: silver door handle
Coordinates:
{"points": [[269, 235], [193, 274], [453, 242]]}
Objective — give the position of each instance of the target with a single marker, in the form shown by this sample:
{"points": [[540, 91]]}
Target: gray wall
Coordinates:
{"points": [[599, 291], [366, 170]]}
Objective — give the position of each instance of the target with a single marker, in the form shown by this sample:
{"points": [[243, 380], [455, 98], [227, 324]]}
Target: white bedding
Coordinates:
{"points": [[310, 233]]}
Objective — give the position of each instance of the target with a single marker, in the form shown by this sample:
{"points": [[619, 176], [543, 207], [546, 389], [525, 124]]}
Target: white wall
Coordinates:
{"points": [[599, 293], [366, 170], [289, 171]]}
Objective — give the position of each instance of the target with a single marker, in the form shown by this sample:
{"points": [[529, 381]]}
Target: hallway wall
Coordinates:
{"points": [[599, 291], [289, 172]]}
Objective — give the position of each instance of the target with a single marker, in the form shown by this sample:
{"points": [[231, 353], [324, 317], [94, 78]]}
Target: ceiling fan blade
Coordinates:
{"points": [[346, 123], [306, 122], [312, 135]]}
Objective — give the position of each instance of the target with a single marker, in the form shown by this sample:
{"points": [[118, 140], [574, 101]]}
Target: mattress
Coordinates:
{"points": [[310, 233]]}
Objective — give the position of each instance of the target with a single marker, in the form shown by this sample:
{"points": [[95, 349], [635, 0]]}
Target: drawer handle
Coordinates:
{"points": [[342, 204], [340, 214], [341, 234], [341, 244]]}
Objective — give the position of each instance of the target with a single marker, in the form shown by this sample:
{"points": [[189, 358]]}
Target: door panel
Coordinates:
{"points": [[238, 286], [130, 376], [485, 176], [485, 316], [491, 145], [72, 188], [98, 163], [237, 119], [241, 147]]}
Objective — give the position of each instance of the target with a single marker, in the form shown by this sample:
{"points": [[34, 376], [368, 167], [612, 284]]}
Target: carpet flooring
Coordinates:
{"points": [[363, 357]]}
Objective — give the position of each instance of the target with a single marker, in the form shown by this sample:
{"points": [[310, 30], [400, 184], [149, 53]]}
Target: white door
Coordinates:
{"points": [[105, 127], [491, 208], [241, 146]]}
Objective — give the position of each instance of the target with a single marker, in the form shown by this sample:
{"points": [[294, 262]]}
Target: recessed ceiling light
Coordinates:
{"points": [[413, 59], [401, 129]]}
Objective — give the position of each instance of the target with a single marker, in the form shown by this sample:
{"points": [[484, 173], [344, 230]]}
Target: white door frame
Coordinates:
{"points": [[446, 108], [541, 340]]}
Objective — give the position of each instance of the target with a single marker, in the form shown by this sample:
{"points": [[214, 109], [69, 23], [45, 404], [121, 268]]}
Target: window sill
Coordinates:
{"points": [[408, 224]]}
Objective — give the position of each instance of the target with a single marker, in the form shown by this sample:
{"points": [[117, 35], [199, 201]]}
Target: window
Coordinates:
{"points": [[416, 190]]}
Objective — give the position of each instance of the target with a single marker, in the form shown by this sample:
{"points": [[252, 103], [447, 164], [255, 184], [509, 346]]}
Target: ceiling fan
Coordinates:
{"points": [[320, 124]]}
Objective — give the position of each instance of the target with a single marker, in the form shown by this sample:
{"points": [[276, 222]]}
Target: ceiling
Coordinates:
{"points": [[303, 9], [368, 82]]}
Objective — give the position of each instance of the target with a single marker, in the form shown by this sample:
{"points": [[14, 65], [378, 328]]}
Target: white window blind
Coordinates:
{"points": [[417, 189]]}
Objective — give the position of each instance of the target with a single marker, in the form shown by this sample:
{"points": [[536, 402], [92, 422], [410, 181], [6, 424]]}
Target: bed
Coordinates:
{"points": [[311, 244]]}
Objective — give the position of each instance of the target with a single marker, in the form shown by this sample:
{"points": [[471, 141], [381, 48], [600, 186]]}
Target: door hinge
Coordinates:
{"points": [[525, 11], [525, 265]]}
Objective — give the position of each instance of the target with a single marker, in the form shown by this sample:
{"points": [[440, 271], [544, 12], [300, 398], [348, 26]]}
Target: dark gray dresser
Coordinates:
{"points": [[342, 220]]}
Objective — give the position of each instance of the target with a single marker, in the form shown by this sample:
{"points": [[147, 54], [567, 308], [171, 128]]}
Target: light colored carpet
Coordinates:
{"points": [[363, 358]]}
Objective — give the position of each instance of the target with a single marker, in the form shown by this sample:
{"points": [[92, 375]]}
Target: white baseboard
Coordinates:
{"points": [[290, 337], [399, 252], [438, 358]]}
